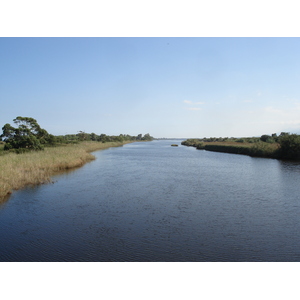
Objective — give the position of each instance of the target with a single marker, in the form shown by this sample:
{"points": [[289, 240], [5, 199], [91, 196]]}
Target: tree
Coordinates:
{"points": [[82, 136], [290, 146], [93, 136], [147, 137], [103, 138], [28, 135], [267, 138]]}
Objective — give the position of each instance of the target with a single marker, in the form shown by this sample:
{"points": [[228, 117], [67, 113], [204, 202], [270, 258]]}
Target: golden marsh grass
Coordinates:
{"points": [[20, 170]]}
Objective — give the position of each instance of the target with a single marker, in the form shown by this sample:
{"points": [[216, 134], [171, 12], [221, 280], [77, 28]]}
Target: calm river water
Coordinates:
{"points": [[153, 202]]}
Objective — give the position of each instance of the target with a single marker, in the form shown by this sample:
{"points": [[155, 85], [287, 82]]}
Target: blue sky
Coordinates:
{"points": [[168, 87]]}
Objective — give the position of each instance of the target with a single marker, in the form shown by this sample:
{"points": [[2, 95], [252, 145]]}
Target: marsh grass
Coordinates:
{"points": [[1, 147], [258, 149], [37, 167]]}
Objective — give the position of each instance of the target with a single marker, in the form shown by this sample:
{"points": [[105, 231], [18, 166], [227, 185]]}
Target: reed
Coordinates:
{"points": [[258, 149], [37, 167]]}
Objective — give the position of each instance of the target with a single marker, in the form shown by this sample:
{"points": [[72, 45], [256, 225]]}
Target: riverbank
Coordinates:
{"points": [[258, 149], [32, 168]]}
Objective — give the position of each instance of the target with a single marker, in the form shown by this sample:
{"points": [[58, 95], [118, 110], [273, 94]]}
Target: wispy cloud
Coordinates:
{"points": [[272, 110], [193, 103], [187, 102], [193, 108], [284, 117]]}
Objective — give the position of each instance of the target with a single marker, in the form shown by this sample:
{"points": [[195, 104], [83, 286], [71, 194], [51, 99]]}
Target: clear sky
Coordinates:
{"points": [[168, 87]]}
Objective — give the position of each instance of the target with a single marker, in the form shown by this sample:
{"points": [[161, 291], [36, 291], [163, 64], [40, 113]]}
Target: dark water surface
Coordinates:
{"points": [[153, 202]]}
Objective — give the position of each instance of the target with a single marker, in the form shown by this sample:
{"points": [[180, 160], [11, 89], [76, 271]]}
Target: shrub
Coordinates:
{"points": [[191, 142], [263, 149], [240, 140], [290, 146], [264, 137]]}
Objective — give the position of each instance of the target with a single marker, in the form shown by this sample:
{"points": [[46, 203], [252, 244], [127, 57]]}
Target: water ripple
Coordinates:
{"points": [[147, 202]]}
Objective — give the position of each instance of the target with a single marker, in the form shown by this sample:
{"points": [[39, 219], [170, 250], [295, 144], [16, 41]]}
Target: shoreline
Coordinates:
{"points": [[33, 168], [259, 149]]}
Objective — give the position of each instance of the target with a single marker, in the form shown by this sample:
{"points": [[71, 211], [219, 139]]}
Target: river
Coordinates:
{"points": [[153, 202]]}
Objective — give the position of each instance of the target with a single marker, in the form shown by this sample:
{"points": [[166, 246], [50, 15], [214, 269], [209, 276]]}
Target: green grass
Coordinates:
{"points": [[259, 149], [37, 167]]}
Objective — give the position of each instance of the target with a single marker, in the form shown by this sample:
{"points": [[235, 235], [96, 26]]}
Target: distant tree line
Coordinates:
{"points": [[83, 136], [264, 138], [28, 136]]}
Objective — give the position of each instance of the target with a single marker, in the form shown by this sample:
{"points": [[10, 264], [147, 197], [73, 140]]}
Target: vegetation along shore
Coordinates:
{"points": [[285, 146], [30, 156]]}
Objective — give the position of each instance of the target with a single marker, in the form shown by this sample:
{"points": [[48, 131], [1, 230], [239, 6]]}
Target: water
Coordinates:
{"points": [[153, 202]]}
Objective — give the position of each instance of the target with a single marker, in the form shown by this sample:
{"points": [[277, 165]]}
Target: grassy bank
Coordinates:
{"points": [[20, 170], [257, 149]]}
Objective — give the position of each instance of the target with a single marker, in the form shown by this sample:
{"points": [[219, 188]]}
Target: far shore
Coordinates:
{"points": [[36, 167], [258, 149]]}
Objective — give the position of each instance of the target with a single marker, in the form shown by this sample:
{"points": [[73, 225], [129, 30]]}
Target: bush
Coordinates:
{"points": [[263, 149], [264, 137], [290, 146], [191, 142], [240, 140]]}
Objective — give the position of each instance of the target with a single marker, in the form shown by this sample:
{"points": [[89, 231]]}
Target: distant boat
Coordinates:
{"points": [[174, 145]]}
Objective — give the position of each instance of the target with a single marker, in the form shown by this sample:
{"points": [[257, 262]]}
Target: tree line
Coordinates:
{"points": [[28, 136], [274, 138]]}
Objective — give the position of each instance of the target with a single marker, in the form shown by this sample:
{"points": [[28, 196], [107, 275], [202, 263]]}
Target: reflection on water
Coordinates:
{"points": [[4, 200], [153, 202]]}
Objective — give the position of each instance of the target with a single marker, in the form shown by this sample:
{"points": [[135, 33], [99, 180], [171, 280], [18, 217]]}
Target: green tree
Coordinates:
{"points": [[82, 136], [28, 135], [265, 137], [93, 136], [103, 138], [147, 137], [290, 146]]}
